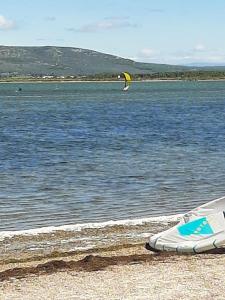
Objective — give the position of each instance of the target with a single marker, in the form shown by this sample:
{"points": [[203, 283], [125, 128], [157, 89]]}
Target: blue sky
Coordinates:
{"points": [[162, 31]]}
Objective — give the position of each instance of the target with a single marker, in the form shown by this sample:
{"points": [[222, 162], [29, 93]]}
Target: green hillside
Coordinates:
{"points": [[67, 61]]}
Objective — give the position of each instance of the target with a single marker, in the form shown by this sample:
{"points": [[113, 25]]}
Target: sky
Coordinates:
{"points": [[187, 32]]}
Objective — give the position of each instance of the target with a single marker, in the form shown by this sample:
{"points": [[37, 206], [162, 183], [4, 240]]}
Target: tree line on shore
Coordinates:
{"points": [[187, 75]]}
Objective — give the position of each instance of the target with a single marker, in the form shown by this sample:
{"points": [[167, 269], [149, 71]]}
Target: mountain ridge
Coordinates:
{"points": [[72, 61]]}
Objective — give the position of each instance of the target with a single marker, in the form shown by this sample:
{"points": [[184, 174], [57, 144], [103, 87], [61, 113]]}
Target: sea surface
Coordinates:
{"points": [[85, 156]]}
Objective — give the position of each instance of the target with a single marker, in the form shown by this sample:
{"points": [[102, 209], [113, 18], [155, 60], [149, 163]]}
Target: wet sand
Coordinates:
{"points": [[126, 273]]}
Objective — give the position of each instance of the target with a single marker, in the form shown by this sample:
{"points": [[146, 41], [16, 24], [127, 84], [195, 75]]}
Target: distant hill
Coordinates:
{"points": [[66, 61]]}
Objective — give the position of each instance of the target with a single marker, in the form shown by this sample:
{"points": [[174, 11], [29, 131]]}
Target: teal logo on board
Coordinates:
{"points": [[196, 227]]}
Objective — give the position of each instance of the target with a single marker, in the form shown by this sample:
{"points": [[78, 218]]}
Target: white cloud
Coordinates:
{"points": [[105, 24], [6, 24], [146, 53], [197, 55], [199, 47]]}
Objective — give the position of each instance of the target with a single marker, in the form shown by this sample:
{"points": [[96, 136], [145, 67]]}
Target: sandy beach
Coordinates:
{"points": [[131, 273]]}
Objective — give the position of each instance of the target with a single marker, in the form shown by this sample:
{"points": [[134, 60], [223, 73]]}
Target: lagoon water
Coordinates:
{"points": [[88, 152]]}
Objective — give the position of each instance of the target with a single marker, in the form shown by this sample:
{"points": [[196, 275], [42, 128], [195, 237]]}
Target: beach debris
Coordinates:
{"points": [[89, 263]]}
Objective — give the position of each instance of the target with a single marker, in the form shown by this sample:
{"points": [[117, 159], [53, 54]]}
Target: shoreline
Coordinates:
{"points": [[125, 271], [110, 81], [89, 225], [84, 238]]}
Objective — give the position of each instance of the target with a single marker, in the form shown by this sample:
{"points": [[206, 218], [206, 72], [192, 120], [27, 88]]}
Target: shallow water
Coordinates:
{"points": [[88, 152]]}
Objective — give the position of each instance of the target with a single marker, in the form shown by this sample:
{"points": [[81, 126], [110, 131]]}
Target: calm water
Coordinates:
{"points": [[89, 152]]}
